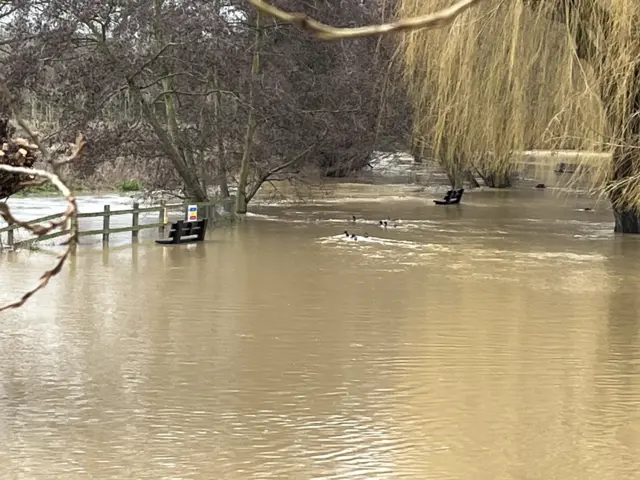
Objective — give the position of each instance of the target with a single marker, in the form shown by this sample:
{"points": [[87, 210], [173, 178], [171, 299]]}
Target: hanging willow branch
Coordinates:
{"points": [[438, 19]]}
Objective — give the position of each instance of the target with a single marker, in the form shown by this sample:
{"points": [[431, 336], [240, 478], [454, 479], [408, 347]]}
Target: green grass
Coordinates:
{"points": [[129, 186], [45, 189]]}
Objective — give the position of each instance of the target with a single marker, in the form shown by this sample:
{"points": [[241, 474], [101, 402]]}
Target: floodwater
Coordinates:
{"points": [[497, 339]]}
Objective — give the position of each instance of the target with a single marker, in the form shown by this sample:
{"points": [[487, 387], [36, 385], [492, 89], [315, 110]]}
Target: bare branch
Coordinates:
{"points": [[68, 216], [38, 229], [269, 173], [152, 59], [76, 151], [33, 183], [326, 32], [10, 41], [193, 94]]}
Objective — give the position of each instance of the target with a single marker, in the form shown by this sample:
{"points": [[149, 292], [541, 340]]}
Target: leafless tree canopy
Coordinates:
{"points": [[166, 86]]}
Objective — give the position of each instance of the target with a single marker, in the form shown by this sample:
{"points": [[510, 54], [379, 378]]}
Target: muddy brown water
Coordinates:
{"points": [[494, 340]]}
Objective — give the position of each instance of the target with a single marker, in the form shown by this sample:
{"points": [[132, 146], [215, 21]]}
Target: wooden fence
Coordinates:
{"points": [[205, 210]]}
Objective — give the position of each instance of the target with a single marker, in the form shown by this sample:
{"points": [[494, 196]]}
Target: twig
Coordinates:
{"points": [[150, 60], [326, 32]]}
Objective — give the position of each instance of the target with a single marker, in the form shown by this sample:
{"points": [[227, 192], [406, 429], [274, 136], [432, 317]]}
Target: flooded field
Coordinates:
{"points": [[497, 339]]}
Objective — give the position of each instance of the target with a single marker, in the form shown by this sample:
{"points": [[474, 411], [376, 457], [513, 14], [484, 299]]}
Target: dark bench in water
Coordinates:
{"points": [[185, 232], [451, 198]]}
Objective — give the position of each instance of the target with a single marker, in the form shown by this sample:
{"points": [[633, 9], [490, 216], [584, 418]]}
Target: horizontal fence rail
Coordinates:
{"points": [[205, 210]]}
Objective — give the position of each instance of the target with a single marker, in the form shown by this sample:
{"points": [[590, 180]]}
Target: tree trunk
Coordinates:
{"points": [[497, 180], [187, 174], [221, 170], [418, 151], [221, 165], [171, 138], [178, 139], [241, 197], [627, 217], [627, 221], [473, 183]]}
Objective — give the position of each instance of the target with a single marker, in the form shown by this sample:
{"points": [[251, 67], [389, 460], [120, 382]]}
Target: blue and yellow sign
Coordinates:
{"points": [[192, 213]]}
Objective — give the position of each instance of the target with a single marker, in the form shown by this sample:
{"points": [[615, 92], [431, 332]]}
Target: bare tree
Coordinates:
{"points": [[172, 97]]}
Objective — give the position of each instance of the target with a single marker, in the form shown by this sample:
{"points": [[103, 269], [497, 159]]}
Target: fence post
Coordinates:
{"points": [[161, 216], [73, 221], [105, 224], [10, 237], [135, 219]]}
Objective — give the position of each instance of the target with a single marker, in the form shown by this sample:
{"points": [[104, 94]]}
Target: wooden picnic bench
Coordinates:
{"points": [[451, 198], [185, 232]]}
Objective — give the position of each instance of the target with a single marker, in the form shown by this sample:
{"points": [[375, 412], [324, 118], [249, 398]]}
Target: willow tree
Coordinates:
{"points": [[532, 74]]}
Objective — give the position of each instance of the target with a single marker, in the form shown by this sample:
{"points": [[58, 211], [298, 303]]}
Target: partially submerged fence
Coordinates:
{"points": [[204, 210]]}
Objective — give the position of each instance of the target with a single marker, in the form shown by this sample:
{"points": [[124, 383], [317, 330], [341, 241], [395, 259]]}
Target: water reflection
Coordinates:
{"points": [[440, 349]]}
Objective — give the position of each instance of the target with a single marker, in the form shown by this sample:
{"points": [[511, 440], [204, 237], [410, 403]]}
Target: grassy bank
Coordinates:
{"points": [[47, 189]]}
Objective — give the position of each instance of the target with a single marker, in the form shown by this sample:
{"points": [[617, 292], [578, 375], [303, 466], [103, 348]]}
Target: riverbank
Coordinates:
{"points": [[48, 190], [385, 167]]}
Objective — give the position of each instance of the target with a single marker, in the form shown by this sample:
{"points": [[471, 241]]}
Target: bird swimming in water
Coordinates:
{"points": [[386, 223], [353, 218], [392, 223]]}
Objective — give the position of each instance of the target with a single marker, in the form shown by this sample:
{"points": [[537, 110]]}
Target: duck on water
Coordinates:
{"points": [[389, 223], [353, 236], [382, 223]]}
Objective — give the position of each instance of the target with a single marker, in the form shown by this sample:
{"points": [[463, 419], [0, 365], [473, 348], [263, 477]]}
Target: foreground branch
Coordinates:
{"points": [[326, 32], [16, 158], [40, 229]]}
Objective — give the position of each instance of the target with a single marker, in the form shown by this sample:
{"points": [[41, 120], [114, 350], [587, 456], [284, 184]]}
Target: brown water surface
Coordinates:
{"points": [[494, 340]]}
